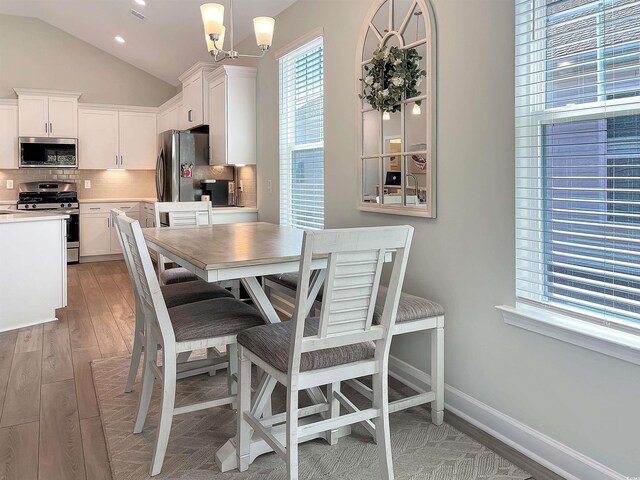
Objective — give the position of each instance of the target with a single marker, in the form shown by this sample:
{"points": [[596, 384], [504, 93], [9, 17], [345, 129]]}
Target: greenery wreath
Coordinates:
{"points": [[392, 75]]}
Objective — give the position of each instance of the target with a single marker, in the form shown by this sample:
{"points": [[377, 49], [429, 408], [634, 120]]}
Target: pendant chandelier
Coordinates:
{"points": [[214, 29]]}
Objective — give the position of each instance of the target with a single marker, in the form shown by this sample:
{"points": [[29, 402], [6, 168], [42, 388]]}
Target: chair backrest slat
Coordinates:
{"points": [[355, 259], [184, 213], [146, 287]]}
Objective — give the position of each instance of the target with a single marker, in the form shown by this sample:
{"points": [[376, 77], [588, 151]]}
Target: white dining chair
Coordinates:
{"points": [[340, 344], [200, 325], [180, 214], [174, 295], [415, 314]]}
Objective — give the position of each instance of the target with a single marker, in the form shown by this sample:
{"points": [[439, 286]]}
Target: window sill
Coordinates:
{"points": [[614, 343]]}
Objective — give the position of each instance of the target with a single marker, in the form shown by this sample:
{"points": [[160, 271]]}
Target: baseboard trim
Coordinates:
{"points": [[551, 454]]}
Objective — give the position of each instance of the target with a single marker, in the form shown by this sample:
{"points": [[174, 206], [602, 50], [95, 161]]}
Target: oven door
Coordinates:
{"points": [[48, 152], [73, 236]]}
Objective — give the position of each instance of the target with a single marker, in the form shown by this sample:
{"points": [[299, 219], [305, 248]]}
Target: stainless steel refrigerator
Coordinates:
{"points": [[181, 152]]}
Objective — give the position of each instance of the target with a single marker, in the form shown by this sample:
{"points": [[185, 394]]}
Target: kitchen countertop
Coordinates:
{"points": [[116, 200], [16, 216], [153, 200]]}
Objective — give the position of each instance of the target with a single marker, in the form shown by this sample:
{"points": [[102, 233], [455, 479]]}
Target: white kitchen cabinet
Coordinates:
{"points": [[194, 111], [47, 115], [169, 119], [138, 140], [98, 139], [109, 138], [9, 135], [63, 117], [232, 116], [97, 233]]}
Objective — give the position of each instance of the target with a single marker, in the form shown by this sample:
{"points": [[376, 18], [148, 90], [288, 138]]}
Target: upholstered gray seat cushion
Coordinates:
{"points": [[271, 343], [189, 292], [177, 275], [213, 318], [410, 307]]}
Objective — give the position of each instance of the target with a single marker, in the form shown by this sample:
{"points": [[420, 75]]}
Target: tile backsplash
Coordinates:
{"points": [[120, 184]]}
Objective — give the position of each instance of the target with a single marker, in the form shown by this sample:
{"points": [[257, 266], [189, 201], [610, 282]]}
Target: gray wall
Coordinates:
{"points": [[34, 54], [464, 259]]}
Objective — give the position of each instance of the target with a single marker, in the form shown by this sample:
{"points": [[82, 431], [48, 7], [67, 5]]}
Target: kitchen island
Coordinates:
{"points": [[33, 267]]}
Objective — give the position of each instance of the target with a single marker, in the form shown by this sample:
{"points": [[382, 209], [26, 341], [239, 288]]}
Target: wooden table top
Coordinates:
{"points": [[214, 247]]}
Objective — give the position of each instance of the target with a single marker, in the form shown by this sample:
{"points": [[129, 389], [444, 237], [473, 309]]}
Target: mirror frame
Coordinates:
{"points": [[428, 98]]}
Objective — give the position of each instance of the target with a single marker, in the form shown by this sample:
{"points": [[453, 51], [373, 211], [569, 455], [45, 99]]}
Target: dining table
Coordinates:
{"points": [[245, 252]]}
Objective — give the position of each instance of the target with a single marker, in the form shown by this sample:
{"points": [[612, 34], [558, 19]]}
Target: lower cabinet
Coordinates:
{"points": [[97, 234]]}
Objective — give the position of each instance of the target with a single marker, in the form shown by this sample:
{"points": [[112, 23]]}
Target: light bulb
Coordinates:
{"points": [[416, 109], [386, 116]]}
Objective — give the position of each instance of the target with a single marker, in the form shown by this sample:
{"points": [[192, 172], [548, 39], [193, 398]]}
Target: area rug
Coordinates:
{"points": [[421, 450]]}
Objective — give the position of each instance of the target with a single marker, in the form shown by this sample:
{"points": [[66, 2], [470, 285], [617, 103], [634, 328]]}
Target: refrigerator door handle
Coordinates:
{"points": [[159, 164]]}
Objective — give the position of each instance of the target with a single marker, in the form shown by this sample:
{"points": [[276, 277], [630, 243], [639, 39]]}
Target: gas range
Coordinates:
{"points": [[48, 196], [61, 196]]}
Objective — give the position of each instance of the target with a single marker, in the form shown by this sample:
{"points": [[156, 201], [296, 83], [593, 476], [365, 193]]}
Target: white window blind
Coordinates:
{"points": [[302, 136], [578, 158]]}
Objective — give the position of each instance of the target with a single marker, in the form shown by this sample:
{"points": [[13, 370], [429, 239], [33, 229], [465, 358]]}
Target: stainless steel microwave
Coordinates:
{"points": [[48, 152]]}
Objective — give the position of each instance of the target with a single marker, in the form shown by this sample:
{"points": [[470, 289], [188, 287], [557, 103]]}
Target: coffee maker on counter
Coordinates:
{"points": [[221, 193]]}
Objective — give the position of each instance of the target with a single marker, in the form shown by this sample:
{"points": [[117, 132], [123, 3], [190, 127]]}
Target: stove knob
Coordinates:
{"points": [[33, 206], [62, 205], [69, 205]]}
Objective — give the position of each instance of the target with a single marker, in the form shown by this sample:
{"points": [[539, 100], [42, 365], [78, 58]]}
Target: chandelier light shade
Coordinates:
{"points": [[416, 109], [214, 29], [213, 18], [263, 27]]}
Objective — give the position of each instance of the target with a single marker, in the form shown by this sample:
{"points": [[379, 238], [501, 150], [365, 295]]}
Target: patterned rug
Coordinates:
{"points": [[421, 450]]}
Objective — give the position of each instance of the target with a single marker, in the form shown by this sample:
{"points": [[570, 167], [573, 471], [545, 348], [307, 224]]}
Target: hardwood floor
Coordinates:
{"points": [[49, 423]]}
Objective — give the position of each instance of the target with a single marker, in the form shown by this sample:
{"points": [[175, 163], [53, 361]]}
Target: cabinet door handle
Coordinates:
{"points": [[116, 160], [190, 116], [108, 222], [50, 127], [46, 128], [121, 160], [94, 208]]}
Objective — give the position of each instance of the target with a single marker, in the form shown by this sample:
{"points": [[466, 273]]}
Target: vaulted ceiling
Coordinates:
{"points": [[165, 43]]}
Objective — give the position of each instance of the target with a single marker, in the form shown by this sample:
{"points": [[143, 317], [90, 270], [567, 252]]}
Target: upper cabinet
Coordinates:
{"points": [[194, 96], [110, 138], [232, 116], [138, 140], [9, 135], [170, 114], [47, 114]]}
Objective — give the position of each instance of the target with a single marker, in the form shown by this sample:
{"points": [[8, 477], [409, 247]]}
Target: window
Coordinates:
{"points": [[302, 136], [578, 158]]}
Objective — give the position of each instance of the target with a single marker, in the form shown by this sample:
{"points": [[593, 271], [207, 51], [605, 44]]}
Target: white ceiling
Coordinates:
{"points": [[165, 44]]}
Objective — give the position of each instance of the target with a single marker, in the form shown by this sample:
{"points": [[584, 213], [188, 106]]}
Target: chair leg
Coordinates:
{"points": [[334, 409], [166, 414], [244, 406], [135, 362], [292, 433], [232, 385], [148, 380], [437, 375], [383, 434]]}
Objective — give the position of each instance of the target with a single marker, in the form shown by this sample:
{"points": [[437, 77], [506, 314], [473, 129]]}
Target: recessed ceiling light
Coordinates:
{"points": [[119, 39], [141, 2]]}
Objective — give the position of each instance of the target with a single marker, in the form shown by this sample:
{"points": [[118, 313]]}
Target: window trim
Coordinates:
{"points": [[606, 340]]}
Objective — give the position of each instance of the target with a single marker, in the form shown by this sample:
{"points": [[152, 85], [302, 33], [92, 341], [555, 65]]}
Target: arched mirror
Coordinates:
{"points": [[396, 105]]}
